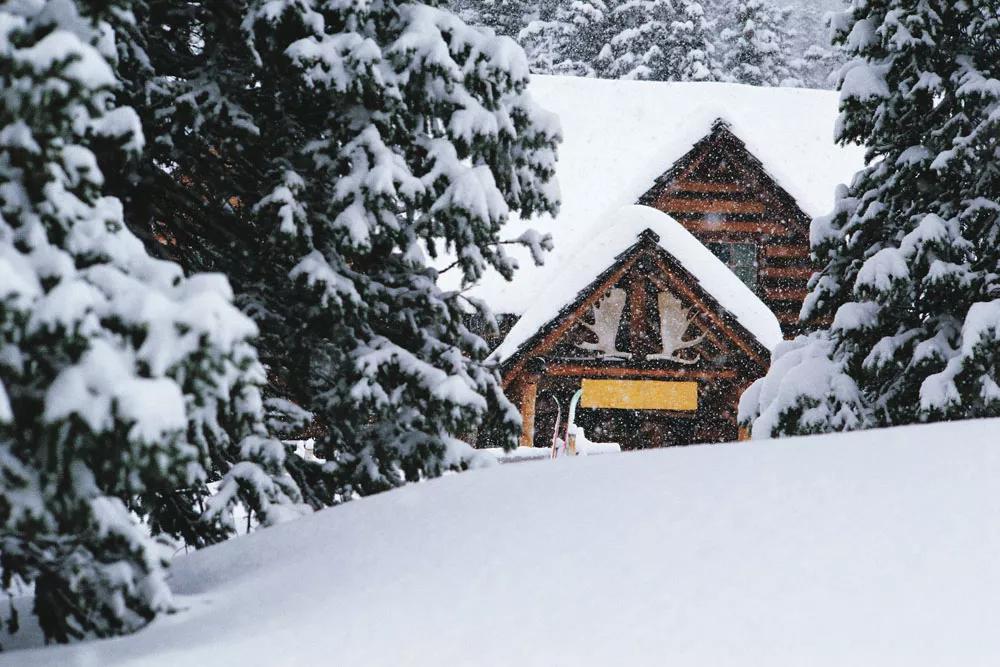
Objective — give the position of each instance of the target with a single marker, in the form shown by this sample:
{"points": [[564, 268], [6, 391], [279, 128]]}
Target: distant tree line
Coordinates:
{"points": [[743, 41]]}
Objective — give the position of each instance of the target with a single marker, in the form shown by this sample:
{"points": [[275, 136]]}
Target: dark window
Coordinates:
{"points": [[741, 258]]}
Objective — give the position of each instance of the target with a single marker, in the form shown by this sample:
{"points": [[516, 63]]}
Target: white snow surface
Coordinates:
{"points": [[870, 548], [620, 232], [619, 136]]}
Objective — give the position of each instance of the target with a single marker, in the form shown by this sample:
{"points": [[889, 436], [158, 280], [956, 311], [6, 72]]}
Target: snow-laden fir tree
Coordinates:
{"points": [[662, 40], [756, 44], [815, 61], [397, 134], [122, 382], [567, 37], [503, 17], [910, 253], [189, 72]]}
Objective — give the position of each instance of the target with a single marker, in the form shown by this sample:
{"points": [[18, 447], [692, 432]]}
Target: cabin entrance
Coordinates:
{"points": [[630, 413], [637, 429], [657, 359]]}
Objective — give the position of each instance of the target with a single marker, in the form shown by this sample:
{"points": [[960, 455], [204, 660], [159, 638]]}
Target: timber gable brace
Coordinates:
{"points": [[714, 321]]}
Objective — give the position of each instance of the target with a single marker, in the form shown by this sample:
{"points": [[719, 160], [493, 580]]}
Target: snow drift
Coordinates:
{"points": [[868, 548]]}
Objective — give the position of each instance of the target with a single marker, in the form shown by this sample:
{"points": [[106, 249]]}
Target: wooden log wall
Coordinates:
{"points": [[721, 193]]}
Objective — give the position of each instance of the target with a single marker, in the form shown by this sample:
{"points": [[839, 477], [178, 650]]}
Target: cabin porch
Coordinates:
{"points": [[626, 406]]}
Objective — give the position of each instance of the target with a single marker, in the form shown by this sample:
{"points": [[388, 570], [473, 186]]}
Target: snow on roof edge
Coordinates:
{"points": [[624, 229], [620, 136]]}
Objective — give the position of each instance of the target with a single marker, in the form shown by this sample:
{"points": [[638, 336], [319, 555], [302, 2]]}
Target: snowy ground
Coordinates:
{"points": [[880, 548]]}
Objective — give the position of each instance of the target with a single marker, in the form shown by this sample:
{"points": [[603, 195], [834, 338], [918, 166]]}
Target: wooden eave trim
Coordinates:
{"points": [[557, 369]]}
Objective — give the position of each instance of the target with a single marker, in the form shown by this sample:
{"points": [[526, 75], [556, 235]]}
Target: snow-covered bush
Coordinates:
{"points": [[909, 255], [123, 384]]}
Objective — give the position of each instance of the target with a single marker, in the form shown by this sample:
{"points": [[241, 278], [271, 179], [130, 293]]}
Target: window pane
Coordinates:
{"points": [[721, 250], [741, 258], [744, 253], [748, 274]]}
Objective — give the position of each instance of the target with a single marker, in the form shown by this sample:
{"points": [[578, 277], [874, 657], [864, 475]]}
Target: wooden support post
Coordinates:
{"points": [[529, 395], [638, 337]]}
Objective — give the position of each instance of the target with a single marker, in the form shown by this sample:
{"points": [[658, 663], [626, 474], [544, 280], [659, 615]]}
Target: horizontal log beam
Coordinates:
{"points": [[803, 272], [785, 294], [786, 251], [679, 205], [585, 370], [788, 316], [705, 186], [725, 226]]}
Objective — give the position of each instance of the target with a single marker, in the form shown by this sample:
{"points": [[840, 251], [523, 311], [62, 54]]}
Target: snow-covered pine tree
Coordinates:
{"points": [[398, 133], [196, 93], [817, 67], [662, 40], [910, 253], [814, 60], [756, 44], [569, 37], [120, 379], [503, 17]]}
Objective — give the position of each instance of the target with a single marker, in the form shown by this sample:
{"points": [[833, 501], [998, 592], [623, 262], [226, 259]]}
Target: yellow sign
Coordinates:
{"points": [[639, 395]]}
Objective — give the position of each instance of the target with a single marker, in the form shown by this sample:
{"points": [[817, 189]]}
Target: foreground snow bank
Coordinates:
{"points": [[870, 548]]}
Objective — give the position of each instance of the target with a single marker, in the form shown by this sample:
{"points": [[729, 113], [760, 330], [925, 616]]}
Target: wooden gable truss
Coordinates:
{"points": [[663, 306]]}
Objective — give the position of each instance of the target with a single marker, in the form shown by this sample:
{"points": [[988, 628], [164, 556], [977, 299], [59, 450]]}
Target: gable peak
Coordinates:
{"points": [[721, 124], [649, 236]]}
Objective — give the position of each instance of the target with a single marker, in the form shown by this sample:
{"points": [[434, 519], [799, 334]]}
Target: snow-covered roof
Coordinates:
{"points": [[619, 136], [620, 231]]}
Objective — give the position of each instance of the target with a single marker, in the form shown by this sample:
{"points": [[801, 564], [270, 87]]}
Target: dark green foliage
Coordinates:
{"points": [[910, 253]]}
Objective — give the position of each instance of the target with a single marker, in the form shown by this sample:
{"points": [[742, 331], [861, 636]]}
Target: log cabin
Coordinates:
{"points": [[657, 333], [705, 193]]}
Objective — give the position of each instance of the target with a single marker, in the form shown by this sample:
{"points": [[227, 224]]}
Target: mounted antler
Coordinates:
{"points": [[675, 320], [607, 318]]}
